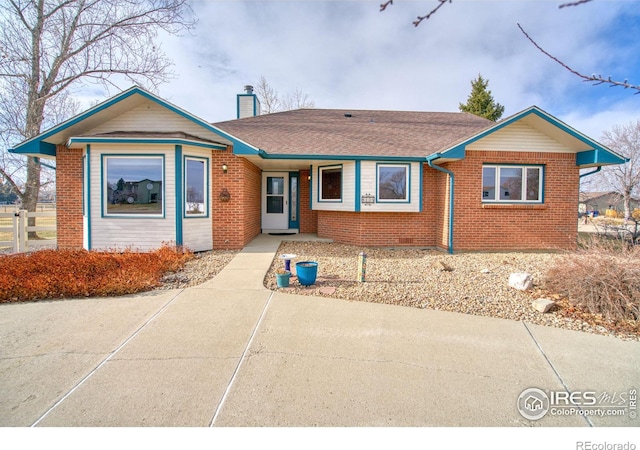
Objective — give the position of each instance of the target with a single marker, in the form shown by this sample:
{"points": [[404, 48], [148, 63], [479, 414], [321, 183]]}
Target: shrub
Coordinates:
{"points": [[603, 277], [48, 274]]}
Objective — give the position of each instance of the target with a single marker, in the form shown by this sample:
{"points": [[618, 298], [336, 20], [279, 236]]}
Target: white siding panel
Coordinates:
{"points": [[368, 185], [124, 232], [348, 187], [152, 117], [197, 232], [519, 137]]}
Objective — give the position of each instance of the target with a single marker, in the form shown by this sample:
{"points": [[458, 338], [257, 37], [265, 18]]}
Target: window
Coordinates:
{"points": [[195, 187], [512, 184], [331, 183], [393, 182], [133, 185]]}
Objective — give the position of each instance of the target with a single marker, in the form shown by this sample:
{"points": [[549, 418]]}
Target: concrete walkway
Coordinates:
{"points": [[231, 353]]}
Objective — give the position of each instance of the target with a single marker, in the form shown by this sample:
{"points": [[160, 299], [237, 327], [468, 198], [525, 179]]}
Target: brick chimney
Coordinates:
{"points": [[248, 103]]}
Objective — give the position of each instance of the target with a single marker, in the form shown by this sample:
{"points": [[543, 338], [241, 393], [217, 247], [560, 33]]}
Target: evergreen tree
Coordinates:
{"points": [[481, 102]]}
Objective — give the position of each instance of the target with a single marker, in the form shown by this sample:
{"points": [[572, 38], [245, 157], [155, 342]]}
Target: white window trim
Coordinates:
{"points": [[205, 187], [523, 193], [407, 180], [321, 169], [105, 201]]}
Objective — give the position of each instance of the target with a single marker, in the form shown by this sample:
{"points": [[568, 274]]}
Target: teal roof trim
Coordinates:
{"points": [[127, 140], [265, 155], [29, 144], [35, 148], [606, 156], [598, 157]]}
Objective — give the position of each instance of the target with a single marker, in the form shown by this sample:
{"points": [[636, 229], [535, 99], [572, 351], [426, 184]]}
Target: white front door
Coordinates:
{"points": [[275, 201]]}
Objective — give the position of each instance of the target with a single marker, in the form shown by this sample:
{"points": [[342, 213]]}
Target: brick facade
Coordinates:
{"points": [[387, 228], [308, 217], [477, 226], [236, 222], [549, 226], [69, 175]]}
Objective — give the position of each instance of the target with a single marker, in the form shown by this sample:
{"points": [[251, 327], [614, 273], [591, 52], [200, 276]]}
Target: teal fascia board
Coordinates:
{"points": [[35, 148], [22, 148], [598, 156], [265, 155], [116, 140], [457, 152]]}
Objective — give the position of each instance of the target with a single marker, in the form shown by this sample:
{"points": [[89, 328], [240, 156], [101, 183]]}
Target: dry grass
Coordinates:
{"points": [[602, 277], [50, 274]]}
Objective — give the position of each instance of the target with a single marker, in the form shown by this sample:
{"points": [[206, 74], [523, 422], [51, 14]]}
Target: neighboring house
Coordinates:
{"points": [[601, 201], [382, 178]]}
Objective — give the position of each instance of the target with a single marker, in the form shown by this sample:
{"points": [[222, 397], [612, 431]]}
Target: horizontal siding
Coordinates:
{"points": [[519, 137], [197, 233], [348, 188], [137, 233], [151, 117], [368, 185]]}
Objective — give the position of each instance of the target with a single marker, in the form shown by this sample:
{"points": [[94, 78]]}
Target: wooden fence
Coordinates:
{"points": [[15, 229]]}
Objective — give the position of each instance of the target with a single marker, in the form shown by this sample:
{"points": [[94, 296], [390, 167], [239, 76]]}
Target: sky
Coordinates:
{"points": [[349, 55]]}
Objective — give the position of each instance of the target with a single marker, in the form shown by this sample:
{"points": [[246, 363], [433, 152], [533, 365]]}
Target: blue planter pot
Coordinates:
{"points": [[307, 271], [283, 279]]}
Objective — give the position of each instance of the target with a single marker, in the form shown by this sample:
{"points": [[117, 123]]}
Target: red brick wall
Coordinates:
{"points": [[69, 197], [237, 221], [552, 225], [387, 229], [477, 227], [308, 217]]}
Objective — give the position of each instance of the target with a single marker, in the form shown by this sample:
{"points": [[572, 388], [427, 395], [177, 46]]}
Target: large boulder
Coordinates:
{"points": [[543, 305], [521, 281]]}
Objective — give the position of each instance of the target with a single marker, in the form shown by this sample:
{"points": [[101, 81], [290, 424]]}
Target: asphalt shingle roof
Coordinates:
{"points": [[355, 132]]}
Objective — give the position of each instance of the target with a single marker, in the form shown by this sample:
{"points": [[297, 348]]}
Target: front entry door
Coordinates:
{"points": [[275, 200]]}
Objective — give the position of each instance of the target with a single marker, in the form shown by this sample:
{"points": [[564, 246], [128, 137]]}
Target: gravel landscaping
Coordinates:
{"points": [[203, 267], [471, 283]]}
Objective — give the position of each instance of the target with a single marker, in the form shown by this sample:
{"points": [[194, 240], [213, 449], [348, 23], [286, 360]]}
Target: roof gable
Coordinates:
{"points": [[114, 114], [589, 153]]}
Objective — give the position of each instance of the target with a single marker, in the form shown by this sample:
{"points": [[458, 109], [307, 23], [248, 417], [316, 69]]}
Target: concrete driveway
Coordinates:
{"points": [[230, 353]]}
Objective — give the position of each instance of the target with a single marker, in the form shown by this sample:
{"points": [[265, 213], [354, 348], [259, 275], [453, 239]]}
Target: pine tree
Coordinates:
{"points": [[481, 102]]}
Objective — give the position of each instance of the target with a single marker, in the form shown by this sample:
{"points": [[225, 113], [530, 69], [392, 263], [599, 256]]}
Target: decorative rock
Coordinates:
{"points": [[543, 304], [521, 281], [327, 290], [485, 271], [442, 266]]}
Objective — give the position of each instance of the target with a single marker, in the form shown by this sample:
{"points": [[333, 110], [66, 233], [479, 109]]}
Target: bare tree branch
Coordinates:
{"points": [[48, 47], [433, 11], [596, 79], [576, 3]]}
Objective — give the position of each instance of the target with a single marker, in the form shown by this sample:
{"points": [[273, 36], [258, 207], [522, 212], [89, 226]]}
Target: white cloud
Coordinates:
{"points": [[350, 55]]}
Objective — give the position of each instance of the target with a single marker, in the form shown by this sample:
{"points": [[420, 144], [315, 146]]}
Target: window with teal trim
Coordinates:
{"points": [[393, 182], [512, 184], [331, 183], [134, 185], [195, 187]]}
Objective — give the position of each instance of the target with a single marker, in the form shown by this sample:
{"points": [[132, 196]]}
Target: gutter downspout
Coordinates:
{"points": [[429, 160], [592, 172]]}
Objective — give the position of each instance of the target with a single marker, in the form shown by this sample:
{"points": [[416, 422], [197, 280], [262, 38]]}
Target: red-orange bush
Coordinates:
{"points": [[48, 274]]}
